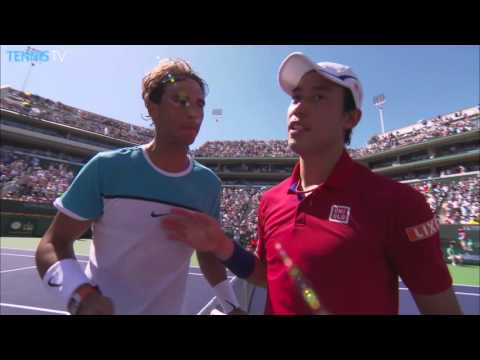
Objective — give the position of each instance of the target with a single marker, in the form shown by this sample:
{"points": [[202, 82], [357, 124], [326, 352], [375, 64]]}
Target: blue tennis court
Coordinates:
{"points": [[22, 293]]}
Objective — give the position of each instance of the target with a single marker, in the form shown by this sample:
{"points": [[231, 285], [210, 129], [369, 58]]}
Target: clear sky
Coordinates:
{"points": [[419, 82]]}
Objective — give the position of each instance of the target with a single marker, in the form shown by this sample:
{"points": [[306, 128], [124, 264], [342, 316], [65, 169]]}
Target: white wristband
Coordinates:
{"points": [[63, 278], [226, 296]]}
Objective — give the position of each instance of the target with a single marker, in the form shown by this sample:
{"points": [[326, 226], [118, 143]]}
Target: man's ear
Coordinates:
{"points": [[353, 118], [152, 109]]}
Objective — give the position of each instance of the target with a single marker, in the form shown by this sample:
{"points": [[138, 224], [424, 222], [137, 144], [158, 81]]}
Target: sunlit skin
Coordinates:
{"points": [[177, 119]]}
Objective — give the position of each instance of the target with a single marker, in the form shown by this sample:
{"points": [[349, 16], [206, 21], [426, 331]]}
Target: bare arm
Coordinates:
{"points": [[204, 234], [259, 275], [57, 243], [444, 303], [212, 268]]}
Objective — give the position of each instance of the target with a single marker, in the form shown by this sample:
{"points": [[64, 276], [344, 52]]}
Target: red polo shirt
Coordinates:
{"points": [[351, 238]]}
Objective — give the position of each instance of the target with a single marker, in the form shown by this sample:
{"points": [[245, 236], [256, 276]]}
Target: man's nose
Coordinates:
{"points": [[298, 108], [195, 112]]}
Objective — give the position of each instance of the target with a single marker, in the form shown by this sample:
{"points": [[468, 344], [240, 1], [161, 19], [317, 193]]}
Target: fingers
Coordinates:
{"points": [[178, 218], [96, 305], [194, 216], [173, 223], [177, 234], [182, 212], [195, 229]]}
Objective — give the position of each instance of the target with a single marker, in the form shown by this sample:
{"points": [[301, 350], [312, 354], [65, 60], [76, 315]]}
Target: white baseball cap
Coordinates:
{"points": [[297, 64]]}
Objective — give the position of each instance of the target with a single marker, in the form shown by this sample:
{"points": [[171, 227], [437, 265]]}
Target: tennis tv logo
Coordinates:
{"points": [[32, 55]]}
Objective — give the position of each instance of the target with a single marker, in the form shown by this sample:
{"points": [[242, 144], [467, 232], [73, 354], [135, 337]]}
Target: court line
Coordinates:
{"points": [[200, 274], [467, 294], [212, 300], [455, 284], [34, 308], [18, 269], [197, 267], [456, 292], [2, 253], [22, 255], [84, 261], [31, 256]]}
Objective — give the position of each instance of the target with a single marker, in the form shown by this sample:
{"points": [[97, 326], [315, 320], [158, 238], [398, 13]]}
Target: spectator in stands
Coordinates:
{"points": [[475, 220], [462, 238], [453, 255], [134, 268]]}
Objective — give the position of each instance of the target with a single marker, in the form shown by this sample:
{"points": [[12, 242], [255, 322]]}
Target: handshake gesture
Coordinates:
{"points": [[199, 231]]}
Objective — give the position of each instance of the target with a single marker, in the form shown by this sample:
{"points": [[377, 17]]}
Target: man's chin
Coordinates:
{"points": [[295, 147], [186, 140], [181, 143]]}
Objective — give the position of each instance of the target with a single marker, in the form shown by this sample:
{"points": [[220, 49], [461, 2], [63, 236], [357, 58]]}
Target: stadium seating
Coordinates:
{"points": [[45, 109]]}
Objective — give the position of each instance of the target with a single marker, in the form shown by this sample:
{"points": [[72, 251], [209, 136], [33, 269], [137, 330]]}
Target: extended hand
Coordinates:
{"points": [[195, 229]]}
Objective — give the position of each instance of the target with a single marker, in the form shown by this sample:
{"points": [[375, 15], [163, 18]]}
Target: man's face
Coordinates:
{"points": [[316, 120], [179, 114]]}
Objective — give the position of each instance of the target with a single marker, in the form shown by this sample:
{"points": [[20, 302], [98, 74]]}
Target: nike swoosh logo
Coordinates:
{"points": [[53, 284], [153, 214]]}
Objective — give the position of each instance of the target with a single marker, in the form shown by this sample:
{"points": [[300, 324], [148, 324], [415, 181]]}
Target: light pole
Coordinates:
{"points": [[32, 64], [379, 101]]}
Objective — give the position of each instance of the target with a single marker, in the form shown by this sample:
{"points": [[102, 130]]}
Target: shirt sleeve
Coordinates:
{"points": [[413, 244], [84, 200]]}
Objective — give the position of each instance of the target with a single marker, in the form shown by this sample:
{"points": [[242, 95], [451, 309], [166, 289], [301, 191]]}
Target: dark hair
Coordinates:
{"points": [[348, 106], [154, 83]]}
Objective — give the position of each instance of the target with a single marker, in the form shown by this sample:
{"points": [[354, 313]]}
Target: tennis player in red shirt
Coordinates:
{"points": [[334, 237]]}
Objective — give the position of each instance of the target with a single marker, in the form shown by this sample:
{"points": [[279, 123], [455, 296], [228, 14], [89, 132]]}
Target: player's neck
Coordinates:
{"points": [[316, 168], [167, 157]]}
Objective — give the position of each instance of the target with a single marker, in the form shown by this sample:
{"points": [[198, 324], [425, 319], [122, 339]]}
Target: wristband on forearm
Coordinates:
{"points": [[241, 263], [63, 278]]}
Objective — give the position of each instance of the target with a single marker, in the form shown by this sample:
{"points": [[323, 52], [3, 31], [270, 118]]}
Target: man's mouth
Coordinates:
{"points": [[296, 127]]}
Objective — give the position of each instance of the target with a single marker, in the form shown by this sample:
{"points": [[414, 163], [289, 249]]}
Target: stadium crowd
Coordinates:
{"points": [[462, 203], [33, 176], [32, 179], [440, 126], [238, 212], [426, 130], [45, 109], [247, 148]]}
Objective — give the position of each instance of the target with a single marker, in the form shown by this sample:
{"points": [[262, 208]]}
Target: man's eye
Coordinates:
{"points": [[184, 102], [317, 97]]}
